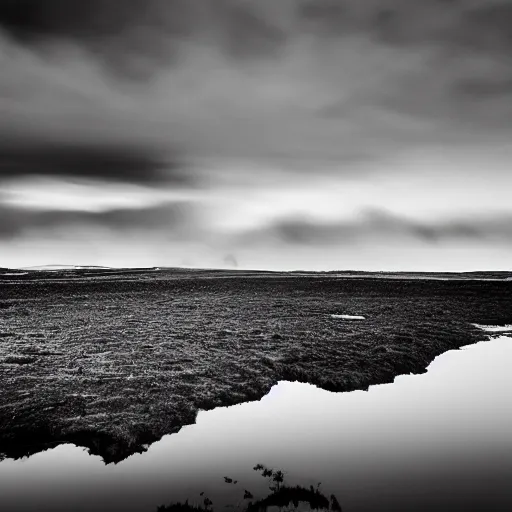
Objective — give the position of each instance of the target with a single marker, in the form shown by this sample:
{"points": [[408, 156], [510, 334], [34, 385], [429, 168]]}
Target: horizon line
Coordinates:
{"points": [[57, 267]]}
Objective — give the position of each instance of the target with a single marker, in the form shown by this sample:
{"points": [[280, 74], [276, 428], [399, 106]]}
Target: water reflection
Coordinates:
{"points": [[438, 441]]}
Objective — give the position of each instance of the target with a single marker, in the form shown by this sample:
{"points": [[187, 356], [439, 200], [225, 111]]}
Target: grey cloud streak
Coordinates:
{"points": [[375, 225], [179, 221], [174, 219], [108, 163]]}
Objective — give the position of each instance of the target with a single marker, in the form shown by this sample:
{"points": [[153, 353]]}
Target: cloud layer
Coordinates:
{"points": [[237, 102]]}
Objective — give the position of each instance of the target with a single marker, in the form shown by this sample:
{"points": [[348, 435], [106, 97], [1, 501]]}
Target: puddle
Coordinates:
{"points": [[437, 441], [349, 317], [494, 328]]}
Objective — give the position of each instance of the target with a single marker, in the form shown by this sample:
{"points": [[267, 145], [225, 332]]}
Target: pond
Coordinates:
{"points": [[437, 441]]}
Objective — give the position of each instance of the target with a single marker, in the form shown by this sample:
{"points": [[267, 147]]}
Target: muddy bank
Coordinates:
{"points": [[114, 364]]}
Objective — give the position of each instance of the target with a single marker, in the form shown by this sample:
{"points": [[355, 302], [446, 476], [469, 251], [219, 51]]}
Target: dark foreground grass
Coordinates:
{"points": [[114, 361], [282, 496], [286, 499]]}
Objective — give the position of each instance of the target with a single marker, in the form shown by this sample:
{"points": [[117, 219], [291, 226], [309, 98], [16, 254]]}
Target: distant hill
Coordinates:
{"points": [[65, 267], [79, 271]]}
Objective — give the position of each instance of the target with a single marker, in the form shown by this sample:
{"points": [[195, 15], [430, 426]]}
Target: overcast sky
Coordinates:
{"points": [[278, 134]]}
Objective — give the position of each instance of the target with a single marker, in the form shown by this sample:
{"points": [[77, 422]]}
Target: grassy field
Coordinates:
{"points": [[113, 360]]}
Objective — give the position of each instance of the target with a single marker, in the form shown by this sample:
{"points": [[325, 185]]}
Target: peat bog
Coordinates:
{"points": [[114, 360]]}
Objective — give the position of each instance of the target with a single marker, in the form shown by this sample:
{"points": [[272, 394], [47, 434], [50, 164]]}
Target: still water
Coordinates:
{"points": [[437, 441]]}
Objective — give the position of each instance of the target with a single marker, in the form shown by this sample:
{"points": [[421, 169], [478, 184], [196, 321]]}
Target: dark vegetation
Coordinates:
{"points": [[282, 496], [113, 360]]}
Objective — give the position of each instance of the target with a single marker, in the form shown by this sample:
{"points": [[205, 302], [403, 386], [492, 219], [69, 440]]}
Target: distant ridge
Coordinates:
{"points": [[65, 267], [97, 270]]}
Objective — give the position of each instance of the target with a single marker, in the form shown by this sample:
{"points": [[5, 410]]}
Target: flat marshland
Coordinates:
{"points": [[114, 360]]}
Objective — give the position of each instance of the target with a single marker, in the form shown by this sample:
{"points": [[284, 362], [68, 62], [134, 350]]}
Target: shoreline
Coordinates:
{"points": [[79, 373], [493, 332], [344, 441]]}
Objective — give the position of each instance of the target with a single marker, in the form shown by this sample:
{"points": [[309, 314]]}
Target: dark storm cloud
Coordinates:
{"points": [[377, 224], [166, 219], [463, 73], [471, 24], [86, 71], [346, 81], [118, 31], [105, 163], [481, 25]]}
